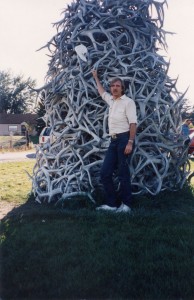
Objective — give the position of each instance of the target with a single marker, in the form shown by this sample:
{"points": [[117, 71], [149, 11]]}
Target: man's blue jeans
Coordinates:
{"points": [[115, 159]]}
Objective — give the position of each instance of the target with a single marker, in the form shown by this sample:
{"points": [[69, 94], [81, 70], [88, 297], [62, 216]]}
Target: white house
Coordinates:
{"points": [[16, 123]]}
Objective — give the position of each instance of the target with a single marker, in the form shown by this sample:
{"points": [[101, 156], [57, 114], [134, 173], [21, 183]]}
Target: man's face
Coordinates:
{"points": [[116, 89]]}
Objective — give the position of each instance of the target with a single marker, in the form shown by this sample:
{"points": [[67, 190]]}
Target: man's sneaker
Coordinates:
{"points": [[106, 208], [124, 209]]}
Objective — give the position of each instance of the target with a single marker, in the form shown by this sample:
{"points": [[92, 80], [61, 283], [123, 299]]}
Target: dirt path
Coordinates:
{"points": [[15, 209], [17, 156], [5, 208]]}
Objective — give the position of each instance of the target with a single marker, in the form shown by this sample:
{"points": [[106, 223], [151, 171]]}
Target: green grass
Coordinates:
{"points": [[54, 253], [15, 184]]}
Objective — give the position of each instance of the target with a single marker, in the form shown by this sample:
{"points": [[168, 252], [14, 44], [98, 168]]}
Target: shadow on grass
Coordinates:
{"points": [[31, 207], [74, 252], [20, 142], [166, 202], [31, 155]]}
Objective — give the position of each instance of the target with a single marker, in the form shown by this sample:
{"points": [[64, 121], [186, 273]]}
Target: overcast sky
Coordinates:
{"points": [[26, 25]]}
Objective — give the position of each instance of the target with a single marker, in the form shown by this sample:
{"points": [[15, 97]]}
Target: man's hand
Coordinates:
{"points": [[128, 148], [94, 73], [99, 85]]}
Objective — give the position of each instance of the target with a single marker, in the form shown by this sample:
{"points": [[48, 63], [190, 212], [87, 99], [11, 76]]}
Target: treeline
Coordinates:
{"points": [[18, 96]]}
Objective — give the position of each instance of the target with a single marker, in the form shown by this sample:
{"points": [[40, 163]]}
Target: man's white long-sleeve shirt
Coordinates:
{"points": [[122, 112]]}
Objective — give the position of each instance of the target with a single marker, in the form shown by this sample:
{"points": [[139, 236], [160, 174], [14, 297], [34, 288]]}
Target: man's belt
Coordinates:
{"points": [[114, 136]]}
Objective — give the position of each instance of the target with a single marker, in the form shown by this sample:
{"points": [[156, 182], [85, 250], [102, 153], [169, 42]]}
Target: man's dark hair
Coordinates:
{"points": [[121, 81]]}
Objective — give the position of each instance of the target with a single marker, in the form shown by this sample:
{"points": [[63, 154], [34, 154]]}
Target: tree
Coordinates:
{"points": [[16, 93], [40, 110], [119, 38], [191, 116]]}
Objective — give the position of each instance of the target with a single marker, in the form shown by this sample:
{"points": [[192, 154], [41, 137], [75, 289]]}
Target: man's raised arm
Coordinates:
{"points": [[100, 88]]}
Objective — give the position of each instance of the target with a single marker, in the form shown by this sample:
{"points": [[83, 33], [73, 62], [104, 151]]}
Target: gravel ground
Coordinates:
{"points": [[5, 208], [17, 156]]}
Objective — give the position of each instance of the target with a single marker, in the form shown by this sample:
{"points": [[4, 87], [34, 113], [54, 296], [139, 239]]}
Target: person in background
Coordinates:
{"points": [[185, 127], [122, 124], [185, 131]]}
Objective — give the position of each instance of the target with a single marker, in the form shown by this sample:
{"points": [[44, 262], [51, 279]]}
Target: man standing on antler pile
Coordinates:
{"points": [[122, 129]]}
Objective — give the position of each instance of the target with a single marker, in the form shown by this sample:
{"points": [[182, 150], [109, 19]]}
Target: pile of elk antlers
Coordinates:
{"points": [[122, 40]]}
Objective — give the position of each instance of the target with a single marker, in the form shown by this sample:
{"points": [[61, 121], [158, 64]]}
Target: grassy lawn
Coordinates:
{"points": [[15, 185], [52, 253]]}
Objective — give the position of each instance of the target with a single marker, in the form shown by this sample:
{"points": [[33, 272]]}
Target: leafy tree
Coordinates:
{"points": [[40, 112], [16, 93], [192, 115], [187, 111]]}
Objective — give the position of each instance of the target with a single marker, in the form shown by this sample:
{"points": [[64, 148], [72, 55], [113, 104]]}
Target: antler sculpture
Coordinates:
{"points": [[121, 40]]}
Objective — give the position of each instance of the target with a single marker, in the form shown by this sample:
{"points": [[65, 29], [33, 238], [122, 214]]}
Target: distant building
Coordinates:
{"points": [[16, 124]]}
